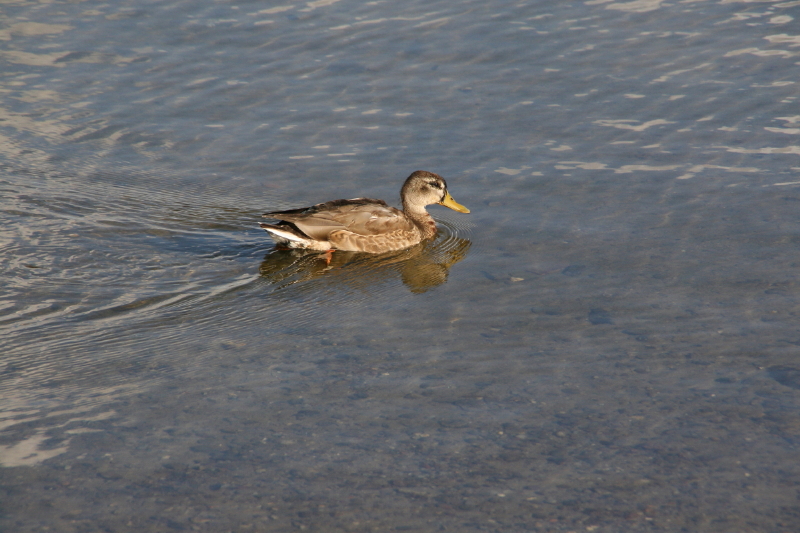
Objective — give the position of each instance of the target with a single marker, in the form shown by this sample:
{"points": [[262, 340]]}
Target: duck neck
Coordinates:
{"points": [[421, 218]]}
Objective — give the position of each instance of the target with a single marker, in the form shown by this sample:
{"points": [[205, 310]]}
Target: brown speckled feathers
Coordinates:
{"points": [[365, 224]]}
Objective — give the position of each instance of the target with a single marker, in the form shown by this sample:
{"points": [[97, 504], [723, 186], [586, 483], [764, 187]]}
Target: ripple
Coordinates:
{"points": [[115, 280]]}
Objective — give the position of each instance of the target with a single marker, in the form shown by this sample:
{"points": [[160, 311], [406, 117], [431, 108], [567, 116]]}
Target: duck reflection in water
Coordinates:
{"points": [[421, 267]]}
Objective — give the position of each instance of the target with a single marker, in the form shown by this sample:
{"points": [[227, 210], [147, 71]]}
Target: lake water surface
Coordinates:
{"points": [[609, 342]]}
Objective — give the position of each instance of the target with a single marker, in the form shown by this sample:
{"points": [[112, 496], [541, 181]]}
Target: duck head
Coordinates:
{"points": [[424, 188]]}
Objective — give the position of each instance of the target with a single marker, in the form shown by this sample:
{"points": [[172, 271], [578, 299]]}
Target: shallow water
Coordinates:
{"points": [[608, 342]]}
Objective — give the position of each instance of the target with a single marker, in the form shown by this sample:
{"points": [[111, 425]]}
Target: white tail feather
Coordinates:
{"points": [[284, 236]]}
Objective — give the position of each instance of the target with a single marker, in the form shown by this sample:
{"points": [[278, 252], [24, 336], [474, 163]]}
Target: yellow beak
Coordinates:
{"points": [[448, 201]]}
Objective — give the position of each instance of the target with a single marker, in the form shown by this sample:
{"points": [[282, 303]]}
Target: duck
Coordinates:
{"points": [[365, 224]]}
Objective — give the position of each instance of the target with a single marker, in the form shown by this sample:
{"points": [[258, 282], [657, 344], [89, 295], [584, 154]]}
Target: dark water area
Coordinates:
{"points": [[608, 342]]}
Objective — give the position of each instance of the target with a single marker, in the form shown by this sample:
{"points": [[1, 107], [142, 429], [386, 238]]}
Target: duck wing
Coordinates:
{"points": [[362, 216]]}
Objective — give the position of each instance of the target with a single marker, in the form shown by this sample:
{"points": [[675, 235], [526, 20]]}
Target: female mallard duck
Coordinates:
{"points": [[364, 224]]}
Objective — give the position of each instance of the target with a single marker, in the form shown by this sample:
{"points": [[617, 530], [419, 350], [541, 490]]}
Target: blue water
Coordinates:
{"points": [[608, 342]]}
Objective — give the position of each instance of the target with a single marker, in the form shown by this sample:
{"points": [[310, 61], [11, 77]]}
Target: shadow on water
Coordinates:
{"points": [[421, 267]]}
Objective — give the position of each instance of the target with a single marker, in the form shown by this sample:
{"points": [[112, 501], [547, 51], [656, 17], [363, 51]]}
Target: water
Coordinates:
{"points": [[608, 342]]}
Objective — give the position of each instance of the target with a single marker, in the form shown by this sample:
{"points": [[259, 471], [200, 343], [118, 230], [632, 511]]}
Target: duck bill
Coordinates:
{"points": [[448, 201]]}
